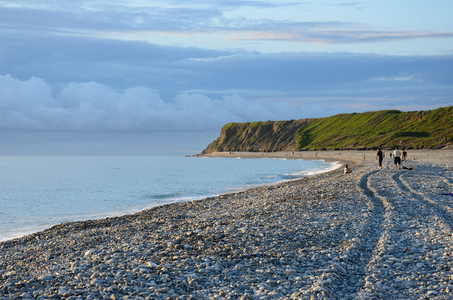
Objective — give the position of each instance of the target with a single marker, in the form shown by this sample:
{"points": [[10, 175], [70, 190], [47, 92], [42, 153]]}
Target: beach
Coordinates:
{"points": [[370, 234]]}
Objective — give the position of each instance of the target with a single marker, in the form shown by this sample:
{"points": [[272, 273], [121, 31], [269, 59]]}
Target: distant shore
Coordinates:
{"points": [[373, 233], [328, 156]]}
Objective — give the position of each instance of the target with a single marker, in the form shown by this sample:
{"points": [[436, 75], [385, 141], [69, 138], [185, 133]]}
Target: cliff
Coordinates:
{"points": [[267, 136], [431, 129]]}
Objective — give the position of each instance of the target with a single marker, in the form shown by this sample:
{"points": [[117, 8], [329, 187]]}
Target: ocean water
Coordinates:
{"points": [[37, 192]]}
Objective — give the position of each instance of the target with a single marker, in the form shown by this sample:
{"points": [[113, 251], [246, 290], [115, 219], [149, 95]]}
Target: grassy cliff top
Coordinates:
{"points": [[388, 128]]}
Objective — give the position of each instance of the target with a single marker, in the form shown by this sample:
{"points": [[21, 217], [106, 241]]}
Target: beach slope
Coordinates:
{"points": [[383, 234]]}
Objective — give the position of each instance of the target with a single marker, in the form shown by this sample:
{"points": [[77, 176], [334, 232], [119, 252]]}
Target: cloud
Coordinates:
{"points": [[71, 64], [99, 4], [81, 20], [405, 78], [92, 107], [139, 21], [345, 4], [319, 35]]}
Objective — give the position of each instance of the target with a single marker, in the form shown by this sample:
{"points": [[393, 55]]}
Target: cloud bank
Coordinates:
{"points": [[120, 20], [161, 75], [34, 105]]}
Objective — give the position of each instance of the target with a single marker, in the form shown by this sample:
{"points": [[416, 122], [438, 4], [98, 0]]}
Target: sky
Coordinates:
{"points": [[162, 77]]}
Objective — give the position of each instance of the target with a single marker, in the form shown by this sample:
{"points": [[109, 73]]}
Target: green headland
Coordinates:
{"points": [[432, 129]]}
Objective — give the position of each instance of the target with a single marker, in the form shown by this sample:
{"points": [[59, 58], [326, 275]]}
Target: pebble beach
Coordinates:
{"points": [[371, 234]]}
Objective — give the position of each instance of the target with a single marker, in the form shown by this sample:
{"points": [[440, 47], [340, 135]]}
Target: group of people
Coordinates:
{"points": [[398, 157]]}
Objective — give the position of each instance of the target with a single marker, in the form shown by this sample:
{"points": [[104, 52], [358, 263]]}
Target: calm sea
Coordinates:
{"points": [[37, 192]]}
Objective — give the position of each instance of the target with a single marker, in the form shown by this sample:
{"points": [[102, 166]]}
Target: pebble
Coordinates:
{"points": [[372, 234]]}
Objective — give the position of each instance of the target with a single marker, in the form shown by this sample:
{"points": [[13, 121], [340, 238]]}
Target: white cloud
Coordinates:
{"points": [[24, 95], [94, 71], [397, 78], [91, 106], [123, 21]]}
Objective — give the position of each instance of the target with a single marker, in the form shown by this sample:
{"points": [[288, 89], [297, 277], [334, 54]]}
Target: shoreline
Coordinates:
{"points": [[328, 156], [170, 200], [372, 233]]}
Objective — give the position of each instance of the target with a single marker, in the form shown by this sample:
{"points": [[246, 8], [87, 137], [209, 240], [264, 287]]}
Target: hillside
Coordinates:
{"points": [[258, 136], [389, 128]]}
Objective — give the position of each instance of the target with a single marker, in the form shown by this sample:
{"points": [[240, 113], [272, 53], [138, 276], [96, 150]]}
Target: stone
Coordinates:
{"points": [[45, 278]]}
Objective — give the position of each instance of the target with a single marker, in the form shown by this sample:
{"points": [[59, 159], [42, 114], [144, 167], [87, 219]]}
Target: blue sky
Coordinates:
{"points": [[134, 77]]}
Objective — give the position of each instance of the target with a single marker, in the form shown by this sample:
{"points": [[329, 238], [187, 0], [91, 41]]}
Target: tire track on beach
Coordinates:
{"points": [[379, 188], [437, 235], [409, 241], [444, 212], [360, 254], [448, 180]]}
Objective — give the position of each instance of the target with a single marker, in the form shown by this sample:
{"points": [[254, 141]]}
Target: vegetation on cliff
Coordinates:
{"points": [[389, 128], [257, 136], [369, 130]]}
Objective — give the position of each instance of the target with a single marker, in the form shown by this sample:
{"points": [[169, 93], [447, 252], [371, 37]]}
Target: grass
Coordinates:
{"points": [[389, 128]]}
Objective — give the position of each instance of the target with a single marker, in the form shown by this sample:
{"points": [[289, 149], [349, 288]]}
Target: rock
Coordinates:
{"points": [[90, 252], [151, 264], [441, 184], [161, 290], [9, 274], [97, 281], [85, 275], [45, 278]]}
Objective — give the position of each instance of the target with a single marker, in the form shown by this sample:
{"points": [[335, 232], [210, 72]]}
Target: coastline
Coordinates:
{"points": [[328, 156], [367, 234], [213, 177]]}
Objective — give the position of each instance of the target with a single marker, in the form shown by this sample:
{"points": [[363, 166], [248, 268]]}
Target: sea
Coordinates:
{"points": [[37, 192]]}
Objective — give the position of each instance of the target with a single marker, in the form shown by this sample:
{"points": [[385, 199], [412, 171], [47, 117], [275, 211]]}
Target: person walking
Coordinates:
{"points": [[380, 157], [404, 154], [397, 158]]}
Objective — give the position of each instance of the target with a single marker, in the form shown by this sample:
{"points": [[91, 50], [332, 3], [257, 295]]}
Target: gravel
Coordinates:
{"points": [[371, 234]]}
